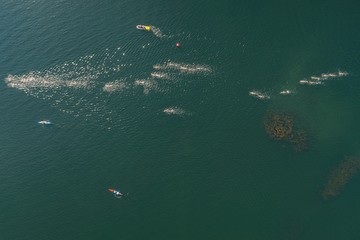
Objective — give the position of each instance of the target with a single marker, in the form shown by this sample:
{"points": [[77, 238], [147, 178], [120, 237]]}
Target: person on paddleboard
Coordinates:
{"points": [[116, 193]]}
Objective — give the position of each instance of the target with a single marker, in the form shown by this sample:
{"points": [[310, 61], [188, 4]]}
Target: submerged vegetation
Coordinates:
{"points": [[280, 126], [340, 176]]}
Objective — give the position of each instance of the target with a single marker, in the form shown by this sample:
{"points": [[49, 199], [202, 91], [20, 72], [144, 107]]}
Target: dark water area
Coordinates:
{"points": [[179, 130]]}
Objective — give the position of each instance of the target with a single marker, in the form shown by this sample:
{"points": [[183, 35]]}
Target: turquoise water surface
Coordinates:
{"points": [[179, 130]]}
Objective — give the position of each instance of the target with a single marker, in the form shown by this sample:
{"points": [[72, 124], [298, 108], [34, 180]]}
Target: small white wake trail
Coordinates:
{"points": [[323, 77]]}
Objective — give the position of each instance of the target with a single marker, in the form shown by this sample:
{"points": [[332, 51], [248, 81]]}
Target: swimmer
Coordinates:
{"points": [[45, 122]]}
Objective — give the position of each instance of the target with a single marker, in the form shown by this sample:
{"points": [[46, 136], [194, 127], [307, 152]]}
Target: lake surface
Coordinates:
{"points": [[179, 130]]}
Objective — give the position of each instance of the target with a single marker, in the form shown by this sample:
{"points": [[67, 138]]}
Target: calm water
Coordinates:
{"points": [[177, 130]]}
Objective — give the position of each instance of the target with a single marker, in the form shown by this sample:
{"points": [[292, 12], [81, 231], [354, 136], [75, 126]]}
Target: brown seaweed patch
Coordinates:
{"points": [[340, 176], [280, 126], [299, 139]]}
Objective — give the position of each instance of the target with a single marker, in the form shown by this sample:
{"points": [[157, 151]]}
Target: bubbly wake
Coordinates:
{"points": [[184, 68], [312, 81], [157, 32], [68, 85], [45, 81], [117, 85], [147, 84], [160, 75], [77, 87], [320, 79], [175, 111], [259, 95], [287, 92]]}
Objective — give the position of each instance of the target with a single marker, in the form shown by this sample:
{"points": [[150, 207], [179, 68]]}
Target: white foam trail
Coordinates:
{"points": [[160, 34], [65, 85], [184, 68], [316, 78], [160, 75], [319, 80], [147, 84], [309, 82], [114, 86], [34, 81], [175, 111], [286, 92], [157, 32], [80, 73], [259, 94], [342, 74], [328, 75]]}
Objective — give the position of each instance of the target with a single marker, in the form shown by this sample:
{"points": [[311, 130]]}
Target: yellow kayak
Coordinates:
{"points": [[143, 27]]}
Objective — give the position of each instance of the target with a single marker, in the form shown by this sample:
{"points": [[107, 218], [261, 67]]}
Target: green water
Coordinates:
{"points": [[175, 129]]}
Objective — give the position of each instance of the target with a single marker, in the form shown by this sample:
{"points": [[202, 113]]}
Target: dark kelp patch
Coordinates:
{"points": [[281, 126], [340, 176]]}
